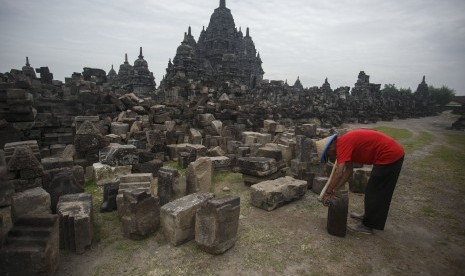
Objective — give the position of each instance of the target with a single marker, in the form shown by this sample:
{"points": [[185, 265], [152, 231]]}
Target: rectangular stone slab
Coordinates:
{"points": [[269, 195], [177, 218]]}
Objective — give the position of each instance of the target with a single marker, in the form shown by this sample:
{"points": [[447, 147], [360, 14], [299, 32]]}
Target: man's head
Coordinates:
{"points": [[326, 148]]}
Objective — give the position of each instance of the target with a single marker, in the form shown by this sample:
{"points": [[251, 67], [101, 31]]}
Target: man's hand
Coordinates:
{"points": [[326, 197]]}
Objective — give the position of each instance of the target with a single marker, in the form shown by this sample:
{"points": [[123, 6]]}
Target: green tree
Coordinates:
{"points": [[441, 96]]}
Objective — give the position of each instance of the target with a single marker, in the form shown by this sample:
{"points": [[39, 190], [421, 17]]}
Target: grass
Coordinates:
{"points": [[396, 133], [422, 140], [175, 165]]}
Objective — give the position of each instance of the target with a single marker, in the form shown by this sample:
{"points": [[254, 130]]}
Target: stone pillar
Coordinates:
{"points": [[76, 222], [168, 182], [216, 224], [199, 176]]}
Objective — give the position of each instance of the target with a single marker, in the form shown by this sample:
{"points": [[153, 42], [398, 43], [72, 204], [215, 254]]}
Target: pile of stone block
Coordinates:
{"points": [[116, 155], [31, 247], [269, 195], [76, 222], [35, 201]]}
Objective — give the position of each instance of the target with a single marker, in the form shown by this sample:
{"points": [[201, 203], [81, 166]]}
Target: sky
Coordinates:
{"points": [[395, 42]]}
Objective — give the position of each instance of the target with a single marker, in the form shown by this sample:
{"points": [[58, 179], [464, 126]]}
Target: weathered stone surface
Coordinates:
{"points": [[195, 137], [307, 130], [220, 163], [141, 181], [141, 214], [359, 180], [269, 126], [10, 148], [119, 155], [76, 222], [34, 201], [257, 166], [152, 167], [250, 180], [31, 247], [120, 129], [269, 195], [88, 138], [199, 176], [270, 151], [177, 218], [59, 182], [216, 224], [62, 160], [7, 188], [185, 158], [26, 164], [216, 151], [104, 174], [318, 184], [168, 183]]}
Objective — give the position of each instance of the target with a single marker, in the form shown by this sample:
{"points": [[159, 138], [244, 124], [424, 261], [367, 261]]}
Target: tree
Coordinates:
{"points": [[441, 96]]}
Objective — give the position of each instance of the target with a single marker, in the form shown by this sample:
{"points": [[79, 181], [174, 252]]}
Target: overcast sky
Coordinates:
{"points": [[396, 41]]}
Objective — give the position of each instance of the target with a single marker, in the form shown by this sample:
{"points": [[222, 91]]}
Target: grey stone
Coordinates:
{"points": [[220, 163], [76, 222], [177, 218], [216, 224], [168, 184], [119, 155], [359, 180], [199, 176], [141, 214], [269, 195], [34, 201], [318, 184], [257, 166], [31, 246]]}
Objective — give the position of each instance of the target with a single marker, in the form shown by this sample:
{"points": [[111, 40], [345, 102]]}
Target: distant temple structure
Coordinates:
{"points": [[221, 54]]}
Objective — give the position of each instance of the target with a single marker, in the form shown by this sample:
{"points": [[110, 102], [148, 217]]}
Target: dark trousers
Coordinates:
{"points": [[378, 193]]}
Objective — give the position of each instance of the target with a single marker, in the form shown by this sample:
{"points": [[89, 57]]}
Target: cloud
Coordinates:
{"points": [[395, 41]]}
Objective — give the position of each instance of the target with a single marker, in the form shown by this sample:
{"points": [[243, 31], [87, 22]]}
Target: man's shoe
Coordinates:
{"points": [[360, 228], [357, 216]]}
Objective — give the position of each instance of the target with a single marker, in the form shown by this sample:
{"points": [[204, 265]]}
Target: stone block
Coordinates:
{"points": [[307, 130], [7, 188], [34, 201], [216, 151], [220, 163], [104, 174], [25, 163], [76, 222], [119, 155], [269, 126], [185, 158], [118, 128], [175, 149], [270, 151], [359, 180], [177, 218], [250, 180], [195, 137], [63, 181], [216, 224], [169, 185], [148, 167], [31, 247], [9, 149], [199, 176], [269, 195], [140, 214], [257, 166], [199, 150], [217, 126], [318, 184]]}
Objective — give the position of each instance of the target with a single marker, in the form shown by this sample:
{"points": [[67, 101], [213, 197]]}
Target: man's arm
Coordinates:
{"points": [[342, 172]]}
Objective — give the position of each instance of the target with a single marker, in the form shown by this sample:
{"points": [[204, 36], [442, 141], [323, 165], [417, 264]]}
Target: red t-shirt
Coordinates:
{"points": [[367, 146]]}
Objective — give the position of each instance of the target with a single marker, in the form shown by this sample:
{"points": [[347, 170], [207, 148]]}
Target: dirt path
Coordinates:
{"points": [[424, 232]]}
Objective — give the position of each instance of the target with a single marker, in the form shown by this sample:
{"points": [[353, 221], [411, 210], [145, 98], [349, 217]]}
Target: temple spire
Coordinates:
{"points": [[189, 31], [140, 53], [27, 61], [247, 32], [222, 3], [126, 58]]}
